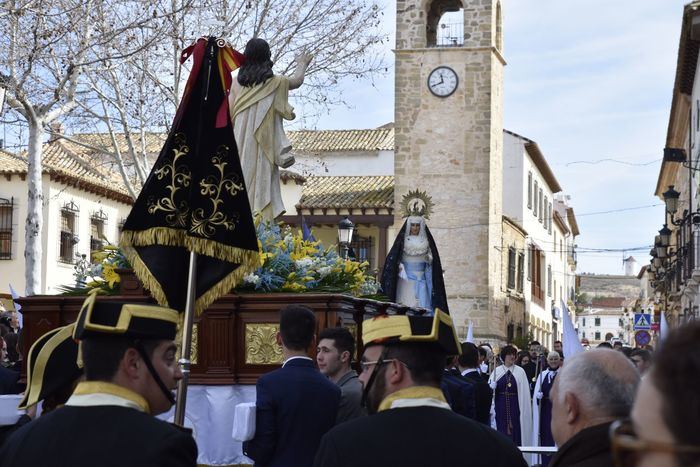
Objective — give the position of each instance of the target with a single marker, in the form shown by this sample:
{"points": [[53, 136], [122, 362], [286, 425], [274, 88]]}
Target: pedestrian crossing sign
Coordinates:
{"points": [[642, 321]]}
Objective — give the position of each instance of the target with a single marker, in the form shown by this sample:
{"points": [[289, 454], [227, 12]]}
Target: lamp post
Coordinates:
{"points": [[671, 197], [345, 229]]}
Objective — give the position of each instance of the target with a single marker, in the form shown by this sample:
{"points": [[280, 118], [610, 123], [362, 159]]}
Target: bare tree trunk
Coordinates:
{"points": [[33, 253]]}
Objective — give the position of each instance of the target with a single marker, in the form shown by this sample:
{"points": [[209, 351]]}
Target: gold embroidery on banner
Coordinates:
{"points": [[180, 177], [194, 344], [261, 345], [214, 187]]}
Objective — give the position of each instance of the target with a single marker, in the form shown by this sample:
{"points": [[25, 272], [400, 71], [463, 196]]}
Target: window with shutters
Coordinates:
{"points": [[540, 209], [534, 206], [549, 280], [547, 214], [529, 190], [68, 238], [521, 272], [97, 230], [6, 209], [511, 268], [537, 273], [549, 219], [597, 321]]}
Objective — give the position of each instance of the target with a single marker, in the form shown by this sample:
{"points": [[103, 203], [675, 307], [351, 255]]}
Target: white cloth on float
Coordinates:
{"points": [[210, 413]]}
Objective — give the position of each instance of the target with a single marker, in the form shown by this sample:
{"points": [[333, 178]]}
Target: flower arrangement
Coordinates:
{"points": [[99, 273], [288, 263]]}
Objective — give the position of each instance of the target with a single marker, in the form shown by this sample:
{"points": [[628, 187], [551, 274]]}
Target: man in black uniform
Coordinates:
{"points": [[130, 371], [468, 363], [412, 424]]}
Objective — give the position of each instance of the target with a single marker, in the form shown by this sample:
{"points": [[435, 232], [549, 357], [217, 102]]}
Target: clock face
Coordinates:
{"points": [[442, 81]]}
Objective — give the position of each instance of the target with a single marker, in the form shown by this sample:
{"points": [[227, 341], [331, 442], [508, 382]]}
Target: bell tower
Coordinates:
{"points": [[449, 142]]}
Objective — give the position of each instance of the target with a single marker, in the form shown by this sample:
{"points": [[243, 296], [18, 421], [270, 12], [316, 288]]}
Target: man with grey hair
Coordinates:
{"points": [[592, 390]]}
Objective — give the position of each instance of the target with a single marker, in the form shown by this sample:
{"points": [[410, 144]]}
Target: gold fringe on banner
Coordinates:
{"points": [[248, 260]]}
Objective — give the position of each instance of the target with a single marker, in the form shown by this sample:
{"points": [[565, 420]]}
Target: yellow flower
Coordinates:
{"points": [[110, 275]]}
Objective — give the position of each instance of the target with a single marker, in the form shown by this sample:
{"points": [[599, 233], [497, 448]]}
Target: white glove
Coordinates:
{"points": [[539, 395], [402, 272], [493, 385]]}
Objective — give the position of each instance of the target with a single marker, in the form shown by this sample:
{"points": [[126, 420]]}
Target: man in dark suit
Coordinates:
{"points": [[467, 363], [412, 424], [130, 371], [296, 405], [459, 392]]}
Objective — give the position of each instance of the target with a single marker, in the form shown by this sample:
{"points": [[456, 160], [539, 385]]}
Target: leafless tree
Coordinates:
{"points": [[139, 95], [45, 51], [111, 67]]}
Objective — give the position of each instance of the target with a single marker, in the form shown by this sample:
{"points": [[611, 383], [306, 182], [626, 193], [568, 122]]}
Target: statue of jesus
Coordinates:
{"points": [[258, 103]]}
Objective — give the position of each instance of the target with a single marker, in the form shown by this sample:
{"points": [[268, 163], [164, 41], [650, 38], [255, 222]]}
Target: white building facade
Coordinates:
{"points": [[606, 320], [83, 208], [532, 198]]}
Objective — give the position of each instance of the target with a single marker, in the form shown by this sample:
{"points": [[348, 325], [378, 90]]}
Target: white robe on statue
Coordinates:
{"points": [[263, 147], [524, 401]]}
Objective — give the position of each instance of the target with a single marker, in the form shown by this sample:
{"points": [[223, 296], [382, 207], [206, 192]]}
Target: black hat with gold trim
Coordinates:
{"points": [[397, 329], [51, 365], [100, 319]]}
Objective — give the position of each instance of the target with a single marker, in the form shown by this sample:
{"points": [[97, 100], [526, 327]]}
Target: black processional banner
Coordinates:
{"points": [[195, 198]]}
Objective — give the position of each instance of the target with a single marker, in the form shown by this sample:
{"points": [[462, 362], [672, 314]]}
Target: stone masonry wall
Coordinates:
{"points": [[452, 148]]}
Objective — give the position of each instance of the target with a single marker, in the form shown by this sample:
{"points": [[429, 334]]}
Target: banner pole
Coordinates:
{"points": [[186, 347]]}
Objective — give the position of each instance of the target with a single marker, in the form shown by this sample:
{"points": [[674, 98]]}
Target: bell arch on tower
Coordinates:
{"points": [[445, 23]]}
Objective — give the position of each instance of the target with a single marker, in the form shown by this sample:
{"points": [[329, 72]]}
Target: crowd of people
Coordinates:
{"points": [[420, 398], [10, 356]]}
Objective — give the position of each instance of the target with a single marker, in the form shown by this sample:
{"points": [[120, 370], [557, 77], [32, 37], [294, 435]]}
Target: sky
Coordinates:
{"points": [[587, 80]]}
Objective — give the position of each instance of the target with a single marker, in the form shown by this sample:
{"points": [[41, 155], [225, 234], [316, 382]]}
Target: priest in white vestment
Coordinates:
{"points": [[511, 399]]}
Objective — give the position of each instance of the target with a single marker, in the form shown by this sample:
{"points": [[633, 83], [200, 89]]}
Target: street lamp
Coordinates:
{"points": [[661, 249], [665, 235], [345, 229], [671, 199]]}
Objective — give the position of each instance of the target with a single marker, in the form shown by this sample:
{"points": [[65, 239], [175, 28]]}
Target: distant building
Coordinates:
{"points": [[606, 319], [630, 266]]}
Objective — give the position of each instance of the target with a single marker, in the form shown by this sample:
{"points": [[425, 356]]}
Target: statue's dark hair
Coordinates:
{"points": [[258, 63]]}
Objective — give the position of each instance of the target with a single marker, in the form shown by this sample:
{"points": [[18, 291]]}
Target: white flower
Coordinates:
{"points": [[303, 263], [251, 279], [324, 271]]}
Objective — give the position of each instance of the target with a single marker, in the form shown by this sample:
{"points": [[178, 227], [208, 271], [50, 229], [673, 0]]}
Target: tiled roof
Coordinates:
{"points": [[69, 168], [608, 302], [350, 191], [311, 141], [154, 142], [12, 164]]}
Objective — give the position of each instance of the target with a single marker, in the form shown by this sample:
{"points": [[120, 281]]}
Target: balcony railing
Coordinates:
{"points": [[686, 260]]}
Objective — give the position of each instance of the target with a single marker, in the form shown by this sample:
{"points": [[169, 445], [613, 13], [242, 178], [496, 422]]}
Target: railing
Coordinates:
{"points": [[450, 35]]}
